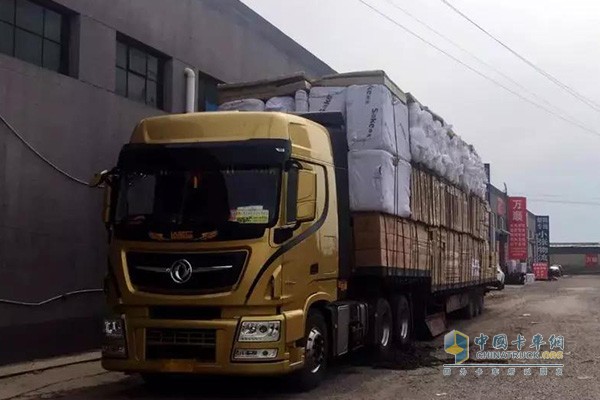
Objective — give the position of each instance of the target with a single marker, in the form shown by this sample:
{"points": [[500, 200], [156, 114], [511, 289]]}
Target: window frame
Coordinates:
{"points": [[63, 43], [161, 59]]}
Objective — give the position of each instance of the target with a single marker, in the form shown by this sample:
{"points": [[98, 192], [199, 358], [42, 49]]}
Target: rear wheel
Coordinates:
{"points": [[403, 322], [383, 330], [316, 354]]}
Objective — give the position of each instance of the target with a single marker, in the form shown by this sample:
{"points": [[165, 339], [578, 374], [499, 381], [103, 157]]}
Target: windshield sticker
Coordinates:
{"points": [[251, 215]]}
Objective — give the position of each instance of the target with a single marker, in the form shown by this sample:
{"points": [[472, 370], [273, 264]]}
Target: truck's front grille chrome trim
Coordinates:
{"points": [[185, 273]]}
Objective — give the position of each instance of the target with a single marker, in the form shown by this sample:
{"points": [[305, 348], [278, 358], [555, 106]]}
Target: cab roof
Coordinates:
{"points": [[308, 138]]}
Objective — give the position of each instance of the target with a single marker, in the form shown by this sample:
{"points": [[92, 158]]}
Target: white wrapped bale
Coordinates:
{"points": [[243, 105], [379, 182], [301, 101], [327, 99], [281, 104], [370, 118], [402, 130]]}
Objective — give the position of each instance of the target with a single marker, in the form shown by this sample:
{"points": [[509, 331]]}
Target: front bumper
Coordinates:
{"points": [[289, 356]]}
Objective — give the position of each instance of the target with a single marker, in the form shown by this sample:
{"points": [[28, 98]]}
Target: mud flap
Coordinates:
{"points": [[436, 323]]}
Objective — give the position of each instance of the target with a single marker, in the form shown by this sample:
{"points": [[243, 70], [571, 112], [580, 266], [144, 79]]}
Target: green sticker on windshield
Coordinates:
{"points": [[252, 215]]}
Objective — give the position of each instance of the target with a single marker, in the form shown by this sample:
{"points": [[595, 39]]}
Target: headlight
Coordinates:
{"points": [[260, 331], [113, 328]]}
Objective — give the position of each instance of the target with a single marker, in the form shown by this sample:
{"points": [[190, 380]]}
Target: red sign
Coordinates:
{"points": [[591, 260], [540, 270], [517, 226]]}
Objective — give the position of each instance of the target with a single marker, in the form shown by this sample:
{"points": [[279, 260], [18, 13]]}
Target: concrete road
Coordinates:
{"points": [[569, 307]]}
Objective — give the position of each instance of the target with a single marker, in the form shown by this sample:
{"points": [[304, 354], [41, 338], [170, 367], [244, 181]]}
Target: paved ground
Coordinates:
{"points": [[568, 307]]}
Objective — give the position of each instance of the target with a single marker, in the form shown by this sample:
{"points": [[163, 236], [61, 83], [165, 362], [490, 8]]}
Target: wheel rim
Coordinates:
{"points": [[315, 349], [386, 331], [404, 328]]}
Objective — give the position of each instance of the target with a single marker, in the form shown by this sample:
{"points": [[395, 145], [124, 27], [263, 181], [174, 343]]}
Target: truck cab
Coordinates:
{"points": [[225, 245]]}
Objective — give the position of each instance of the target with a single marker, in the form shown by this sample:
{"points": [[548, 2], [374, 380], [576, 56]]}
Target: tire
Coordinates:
{"points": [[316, 354], [501, 286], [481, 303], [403, 322], [382, 330]]}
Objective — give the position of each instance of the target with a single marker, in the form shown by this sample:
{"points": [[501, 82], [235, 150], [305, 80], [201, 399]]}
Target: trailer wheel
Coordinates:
{"points": [[316, 354], [383, 330], [403, 322]]}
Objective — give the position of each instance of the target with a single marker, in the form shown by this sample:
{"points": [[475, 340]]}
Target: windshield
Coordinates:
{"points": [[170, 205]]}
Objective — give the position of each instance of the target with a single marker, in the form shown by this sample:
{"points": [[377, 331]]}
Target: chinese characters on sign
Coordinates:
{"points": [[591, 260], [536, 355], [542, 244], [517, 220]]}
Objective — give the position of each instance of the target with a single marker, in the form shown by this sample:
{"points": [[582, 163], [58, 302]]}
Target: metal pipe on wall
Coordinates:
{"points": [[190, 90]]}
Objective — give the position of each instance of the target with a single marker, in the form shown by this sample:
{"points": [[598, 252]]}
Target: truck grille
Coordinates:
{"points": [[185, 273], [182, 344]]}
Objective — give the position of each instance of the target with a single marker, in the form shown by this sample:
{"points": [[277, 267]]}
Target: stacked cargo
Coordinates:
{"points": [[417, 190], [284, 94]]}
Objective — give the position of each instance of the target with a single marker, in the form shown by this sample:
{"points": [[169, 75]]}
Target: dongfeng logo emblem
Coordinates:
{"points": [[181, 271]]}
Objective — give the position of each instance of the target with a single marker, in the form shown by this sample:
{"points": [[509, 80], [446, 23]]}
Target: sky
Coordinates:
{"points": [[551, 162]]}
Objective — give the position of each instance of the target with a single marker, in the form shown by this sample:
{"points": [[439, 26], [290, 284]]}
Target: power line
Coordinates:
{"points": [[41, 156], [565, 202], [575, 123], [550, 77], [480, 60]]}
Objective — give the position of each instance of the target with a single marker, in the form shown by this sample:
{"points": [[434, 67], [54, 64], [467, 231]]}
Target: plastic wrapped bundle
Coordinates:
{"points": [[379, 182], [243, 105], [370, 118], [301, 101], [324, 99], [281, 103], [402, 130]]}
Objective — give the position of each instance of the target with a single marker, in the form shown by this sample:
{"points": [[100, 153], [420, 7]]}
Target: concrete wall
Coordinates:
{"points": [[51, 238]]}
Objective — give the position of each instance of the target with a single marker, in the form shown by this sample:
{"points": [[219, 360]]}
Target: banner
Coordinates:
{"points": [[591, 260], [517, 226], [542, 239], [540, 270]]}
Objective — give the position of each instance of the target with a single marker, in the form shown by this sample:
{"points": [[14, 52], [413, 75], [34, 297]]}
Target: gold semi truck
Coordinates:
{"points": [[233, 251]]}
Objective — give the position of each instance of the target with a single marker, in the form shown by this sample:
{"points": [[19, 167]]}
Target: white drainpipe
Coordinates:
{"points": [[190, 90]]}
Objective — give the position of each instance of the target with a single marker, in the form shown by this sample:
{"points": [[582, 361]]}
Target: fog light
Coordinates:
{"points": [[115, 345], [254, 354]]}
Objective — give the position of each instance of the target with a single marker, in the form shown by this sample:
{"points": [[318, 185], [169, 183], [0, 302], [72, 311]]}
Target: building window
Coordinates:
{"points": [[34, 33], [139, 73], [207, 93]]}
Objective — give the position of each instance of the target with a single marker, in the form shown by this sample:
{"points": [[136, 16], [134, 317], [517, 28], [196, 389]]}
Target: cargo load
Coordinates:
{"points": [[416, 188]]}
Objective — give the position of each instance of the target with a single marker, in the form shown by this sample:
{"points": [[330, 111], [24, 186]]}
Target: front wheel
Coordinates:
{"points": [[316, 354]]}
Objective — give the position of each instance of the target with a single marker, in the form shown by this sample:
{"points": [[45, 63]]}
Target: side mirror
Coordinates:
{"points": [[99, 179], [306, 205]]}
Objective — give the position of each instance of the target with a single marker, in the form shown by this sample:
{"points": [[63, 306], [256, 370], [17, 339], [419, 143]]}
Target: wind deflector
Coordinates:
{"points": [[250, 153]]}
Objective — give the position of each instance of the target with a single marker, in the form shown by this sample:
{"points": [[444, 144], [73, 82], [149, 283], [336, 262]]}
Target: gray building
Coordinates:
{"points": [[576, 257], [498, 200], [531, 243], [75, 77]]}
